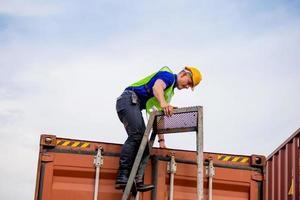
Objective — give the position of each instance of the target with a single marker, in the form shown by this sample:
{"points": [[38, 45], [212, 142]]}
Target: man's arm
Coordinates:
{"points": [[158, 91]]}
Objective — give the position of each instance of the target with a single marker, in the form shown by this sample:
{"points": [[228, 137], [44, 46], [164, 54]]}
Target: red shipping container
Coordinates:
{"points": [[283, 171], [66, 170]]}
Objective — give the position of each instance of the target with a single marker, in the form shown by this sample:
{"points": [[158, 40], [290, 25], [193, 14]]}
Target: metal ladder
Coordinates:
{"points": [[188, 119]]}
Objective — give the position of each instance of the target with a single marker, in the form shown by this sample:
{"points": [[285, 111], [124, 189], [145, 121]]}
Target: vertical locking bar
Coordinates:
{"points": [[98, 162], [172, 170], [211, 174]]}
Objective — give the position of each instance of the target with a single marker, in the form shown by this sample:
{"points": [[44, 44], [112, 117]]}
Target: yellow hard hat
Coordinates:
{"points": [[196, 75]]}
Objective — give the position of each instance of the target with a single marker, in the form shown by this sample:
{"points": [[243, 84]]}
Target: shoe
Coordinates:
{"points": [[122, 179], [141, 187], [120, 186]]}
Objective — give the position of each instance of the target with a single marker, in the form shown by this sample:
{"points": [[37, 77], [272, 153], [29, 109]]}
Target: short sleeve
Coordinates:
{"points": [[167, 77]]}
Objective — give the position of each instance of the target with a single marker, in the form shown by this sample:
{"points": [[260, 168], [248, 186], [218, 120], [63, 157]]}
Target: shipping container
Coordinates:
{"points": [[66, 170], [283, 171]]}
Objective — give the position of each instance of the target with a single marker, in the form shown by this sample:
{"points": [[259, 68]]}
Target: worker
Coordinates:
{"points": [[151, 93]]}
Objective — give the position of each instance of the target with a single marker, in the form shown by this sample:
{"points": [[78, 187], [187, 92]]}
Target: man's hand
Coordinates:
{"points": [[167, 108]]}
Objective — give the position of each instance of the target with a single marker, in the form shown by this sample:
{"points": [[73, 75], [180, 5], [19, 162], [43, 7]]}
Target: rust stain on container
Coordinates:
{"points": [[66, 171]]}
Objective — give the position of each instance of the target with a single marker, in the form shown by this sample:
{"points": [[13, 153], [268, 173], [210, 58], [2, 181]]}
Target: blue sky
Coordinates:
{"points": [[63, 63]]}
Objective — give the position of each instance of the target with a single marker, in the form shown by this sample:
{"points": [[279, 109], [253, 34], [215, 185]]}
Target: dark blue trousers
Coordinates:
{"points": [[129, 112]]}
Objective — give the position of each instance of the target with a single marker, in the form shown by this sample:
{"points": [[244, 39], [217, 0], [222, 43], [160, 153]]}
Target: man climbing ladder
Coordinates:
{"points": [[151, 93]]}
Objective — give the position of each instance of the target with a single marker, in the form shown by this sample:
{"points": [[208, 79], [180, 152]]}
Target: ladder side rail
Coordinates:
{"points": [[138, 157]]}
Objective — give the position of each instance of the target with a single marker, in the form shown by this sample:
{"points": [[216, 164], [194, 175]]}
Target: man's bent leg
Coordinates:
{"points": [[131, 116]]}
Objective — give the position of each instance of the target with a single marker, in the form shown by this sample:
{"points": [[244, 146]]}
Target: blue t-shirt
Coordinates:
{"points": [[141, 91]]}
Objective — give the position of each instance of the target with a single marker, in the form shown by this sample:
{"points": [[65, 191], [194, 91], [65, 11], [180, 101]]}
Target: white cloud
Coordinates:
{"points": [[28, 8]]}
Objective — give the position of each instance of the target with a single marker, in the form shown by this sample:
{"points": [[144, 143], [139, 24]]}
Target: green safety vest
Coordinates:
{"points": [[152, 104]]}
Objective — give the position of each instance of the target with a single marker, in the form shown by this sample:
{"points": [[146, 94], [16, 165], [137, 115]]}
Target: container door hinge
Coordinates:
{"points": [[210, 169], [172, 166], [98, 159], [257, 177], [47, 157]]}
